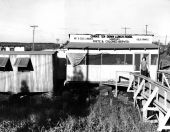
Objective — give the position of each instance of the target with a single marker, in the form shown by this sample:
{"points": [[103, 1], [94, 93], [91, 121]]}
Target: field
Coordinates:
{"points": [[72, 114]]}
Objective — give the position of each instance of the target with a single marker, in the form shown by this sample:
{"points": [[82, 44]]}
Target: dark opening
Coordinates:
{"points": [[107, 59], [94, 59], [154, 59], [129, 59]]}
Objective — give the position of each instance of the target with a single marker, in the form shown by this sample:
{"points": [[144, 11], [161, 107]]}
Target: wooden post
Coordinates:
{"points": [[160, 119], [162, 78], [165, 99], [139, 89], [166, 80], [116, 85], [155, 91], [145, 112], [130, 84]]}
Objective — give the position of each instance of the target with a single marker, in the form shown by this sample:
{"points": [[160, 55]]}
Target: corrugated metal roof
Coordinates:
{"points": [[3, 61], [22, 62], [110, 46]]}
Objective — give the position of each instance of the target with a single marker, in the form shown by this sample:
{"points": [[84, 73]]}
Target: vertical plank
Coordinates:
{"points": [[165, 99], [139, 89]]}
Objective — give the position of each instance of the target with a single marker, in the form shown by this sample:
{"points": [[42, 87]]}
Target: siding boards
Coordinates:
{"points": [[38, 80]]}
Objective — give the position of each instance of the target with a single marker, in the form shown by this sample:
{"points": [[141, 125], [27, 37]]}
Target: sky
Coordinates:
{"points": [[58, 18]]}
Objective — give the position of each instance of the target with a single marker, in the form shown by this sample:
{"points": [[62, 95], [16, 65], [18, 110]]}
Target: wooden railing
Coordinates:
{"points": [[154, 97], [163, 77], [125, 76]]}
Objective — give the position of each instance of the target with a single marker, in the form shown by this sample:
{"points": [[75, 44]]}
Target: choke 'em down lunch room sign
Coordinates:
{"points": [[111, 38]]}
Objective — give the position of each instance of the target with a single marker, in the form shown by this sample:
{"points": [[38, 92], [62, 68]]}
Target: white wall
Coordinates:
{"points": [[108, 72]]}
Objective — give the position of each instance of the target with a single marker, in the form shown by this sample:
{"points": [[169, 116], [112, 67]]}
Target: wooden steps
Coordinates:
{"points": [[153, 94]]}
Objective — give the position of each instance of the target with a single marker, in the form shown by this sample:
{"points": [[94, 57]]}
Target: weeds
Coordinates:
{"points": [[47, 117]]}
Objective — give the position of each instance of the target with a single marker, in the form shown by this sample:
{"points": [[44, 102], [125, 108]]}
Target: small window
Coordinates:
{"points": [[107, 59], [119, 59], [11, 48], [128, 59], [93, 59], [154, 58], [3, 49], [5, 64], [24, 64]]}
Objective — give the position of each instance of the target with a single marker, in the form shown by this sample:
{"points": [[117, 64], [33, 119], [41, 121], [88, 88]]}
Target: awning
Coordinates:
{"points": [[75, 58], [22, 62], [3, 61]]}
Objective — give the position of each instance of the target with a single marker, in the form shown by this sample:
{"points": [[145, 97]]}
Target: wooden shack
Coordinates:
{"points": [[37, 71]]}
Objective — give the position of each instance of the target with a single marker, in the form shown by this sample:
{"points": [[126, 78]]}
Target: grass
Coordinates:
{"points": [[48, 116]]}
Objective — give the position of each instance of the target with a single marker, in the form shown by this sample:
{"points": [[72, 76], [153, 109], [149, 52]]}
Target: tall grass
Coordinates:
{"points": [[119, 116]]}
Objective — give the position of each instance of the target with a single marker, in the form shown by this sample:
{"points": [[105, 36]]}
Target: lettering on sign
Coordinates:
{"points": [[111, 38]]}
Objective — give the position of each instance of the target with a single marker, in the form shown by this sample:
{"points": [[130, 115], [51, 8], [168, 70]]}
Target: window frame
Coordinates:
{"points": [[7, 67], [28, 68], [114, 59], [156, 59], [87, 58]]}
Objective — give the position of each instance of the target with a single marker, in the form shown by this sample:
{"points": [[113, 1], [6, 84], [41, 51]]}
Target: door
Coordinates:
{"points": [[137, 62], [147, 58], [138, 58]]}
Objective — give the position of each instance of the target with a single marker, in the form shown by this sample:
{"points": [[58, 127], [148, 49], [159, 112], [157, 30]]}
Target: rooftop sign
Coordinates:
{"points": [[111, 38]]}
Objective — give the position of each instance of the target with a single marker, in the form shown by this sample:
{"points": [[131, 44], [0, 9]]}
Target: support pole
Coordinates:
{"points": [[33, 46]]}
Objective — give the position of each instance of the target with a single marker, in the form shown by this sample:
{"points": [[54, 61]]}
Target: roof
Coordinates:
{"points": [[110, 46], [22, 43], [28, 46], [27, 52]]}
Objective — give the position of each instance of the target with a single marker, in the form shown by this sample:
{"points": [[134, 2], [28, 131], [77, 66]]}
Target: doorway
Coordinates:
{"points": [[137, 62], [138, 58]]}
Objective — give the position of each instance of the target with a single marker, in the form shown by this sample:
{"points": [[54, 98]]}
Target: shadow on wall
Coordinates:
{"points": [[21, 98], [24, 87], [77, 74]]}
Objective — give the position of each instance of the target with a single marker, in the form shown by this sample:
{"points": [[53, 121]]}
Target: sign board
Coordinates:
{"points": [[111, 38]]}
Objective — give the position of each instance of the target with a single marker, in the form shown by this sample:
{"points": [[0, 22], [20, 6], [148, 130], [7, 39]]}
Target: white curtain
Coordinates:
{"points": [[75, 58]]}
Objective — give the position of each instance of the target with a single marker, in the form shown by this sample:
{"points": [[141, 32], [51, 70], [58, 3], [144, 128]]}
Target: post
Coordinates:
{"points": [[116, 84], [125, 28], [158, 62], [34, 26], [87, 64], [146, 29]]}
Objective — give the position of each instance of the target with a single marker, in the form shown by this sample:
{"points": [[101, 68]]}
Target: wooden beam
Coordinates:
{"points": [[130, 84], [150, 99], [139, 89]]}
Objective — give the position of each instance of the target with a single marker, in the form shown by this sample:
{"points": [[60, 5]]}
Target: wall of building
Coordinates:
{"points": [[38, 80], [100, 72]]}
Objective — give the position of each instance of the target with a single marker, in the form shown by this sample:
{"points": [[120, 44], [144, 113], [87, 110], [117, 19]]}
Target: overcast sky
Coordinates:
{"points": [[57, 18]]}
